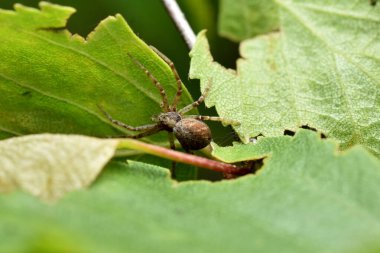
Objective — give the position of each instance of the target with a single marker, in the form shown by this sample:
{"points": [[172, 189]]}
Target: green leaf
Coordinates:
{"points": [[242, 19], [252, 151], [49, 166], [308, 198], [322, 70], [52, 81]]}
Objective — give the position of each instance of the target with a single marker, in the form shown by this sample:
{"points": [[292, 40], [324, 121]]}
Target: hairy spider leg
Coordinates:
{"points": [[213, 118], [140, 135], [176, 76], [151, 131], [164, 105], [172, 146], [171, 140], [121, 124], [198, 101]]}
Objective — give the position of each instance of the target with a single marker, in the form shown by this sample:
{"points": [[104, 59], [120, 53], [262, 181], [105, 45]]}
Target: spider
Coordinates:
{"points": [[190, 130]]}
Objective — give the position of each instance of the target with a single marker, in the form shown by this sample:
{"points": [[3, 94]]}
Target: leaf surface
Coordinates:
{"points": [[322, 70], [243, 19], [308, 198], [49, 166], [52, 81]]}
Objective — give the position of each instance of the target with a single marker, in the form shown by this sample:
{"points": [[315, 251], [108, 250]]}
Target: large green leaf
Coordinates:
{"points": [[307, 198], [321, 70], [243, 19], [52, 81]]}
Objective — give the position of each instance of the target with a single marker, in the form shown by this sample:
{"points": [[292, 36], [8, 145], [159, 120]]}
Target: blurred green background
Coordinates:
{"points": [[150, 21]]}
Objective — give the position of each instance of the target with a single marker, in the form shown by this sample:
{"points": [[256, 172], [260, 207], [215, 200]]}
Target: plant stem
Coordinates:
{"points": [[182, 157], [180, 21]]}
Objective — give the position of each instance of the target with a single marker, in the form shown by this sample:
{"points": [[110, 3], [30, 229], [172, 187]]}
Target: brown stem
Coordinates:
{"points": [[182, 157]]}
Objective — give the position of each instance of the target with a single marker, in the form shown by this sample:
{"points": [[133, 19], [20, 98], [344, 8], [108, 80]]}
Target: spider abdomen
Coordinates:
{"points": [[192, 134]]}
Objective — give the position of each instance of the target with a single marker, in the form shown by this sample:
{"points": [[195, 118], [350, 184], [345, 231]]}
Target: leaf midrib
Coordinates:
{"points": [[96, 61], [56, 98], [99, 62]]}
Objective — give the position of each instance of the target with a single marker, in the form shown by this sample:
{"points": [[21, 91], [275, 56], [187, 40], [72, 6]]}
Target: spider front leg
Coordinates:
{"points": [[121, 124], [199, 117], [140, 135], [172, 146], [198, 101], [177, 97], [151, 131], [164, 105], [213, 118]]}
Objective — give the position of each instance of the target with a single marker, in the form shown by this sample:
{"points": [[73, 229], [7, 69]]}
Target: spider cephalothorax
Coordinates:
{"points": [[168, 119], [190, 130], [193, 134]]}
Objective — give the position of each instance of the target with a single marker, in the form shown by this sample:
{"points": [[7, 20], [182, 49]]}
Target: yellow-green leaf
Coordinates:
{"points": [[243, 19], [49, 166], [321, 70]]}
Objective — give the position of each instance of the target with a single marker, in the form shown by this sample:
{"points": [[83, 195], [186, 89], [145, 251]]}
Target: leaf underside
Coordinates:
{"points": [[321, 70], [48, 166], [242, 19]]}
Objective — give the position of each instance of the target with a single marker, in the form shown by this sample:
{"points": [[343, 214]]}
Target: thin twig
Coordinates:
{"points": [[180, 21]]}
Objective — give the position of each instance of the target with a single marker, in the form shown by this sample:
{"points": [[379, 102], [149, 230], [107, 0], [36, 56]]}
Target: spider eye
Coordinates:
{"points": [[192, 134]]}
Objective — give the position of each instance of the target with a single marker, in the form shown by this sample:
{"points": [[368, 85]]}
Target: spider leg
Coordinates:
{"points": [[172, 146], [121, 124], [151, 131], [198, 101], [176, 76], [171, 140], [165, 105], [212, 118]]}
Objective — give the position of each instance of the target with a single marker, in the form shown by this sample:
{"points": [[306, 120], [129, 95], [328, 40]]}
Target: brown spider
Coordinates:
{"points": [[191, 132]]}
